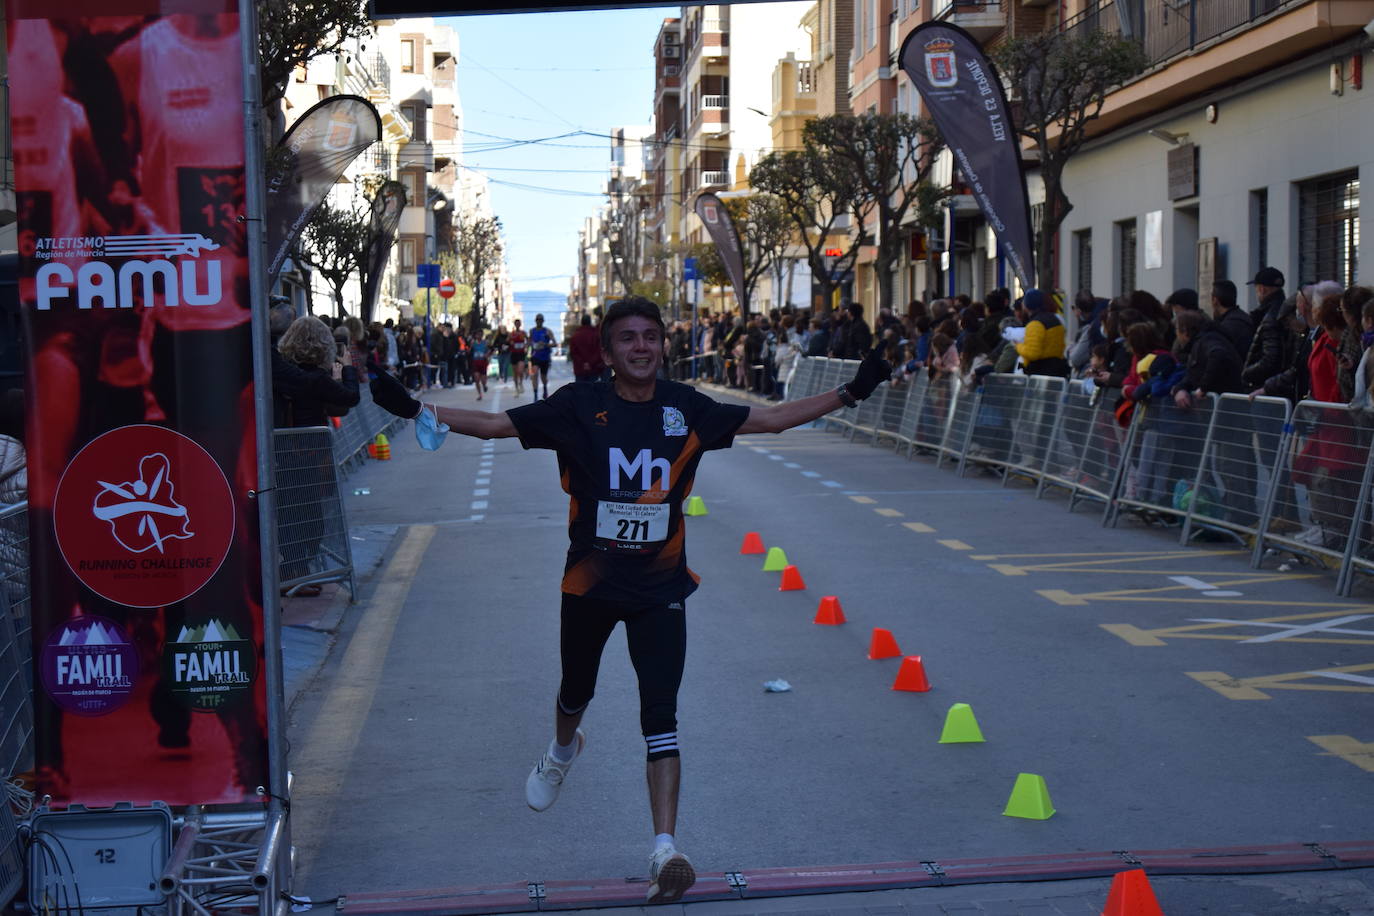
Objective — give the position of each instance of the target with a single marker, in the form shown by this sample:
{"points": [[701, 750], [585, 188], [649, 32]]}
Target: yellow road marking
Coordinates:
{"points": [[1240, 630], [1347, 748], [865, 500], [321, 762], [918, 527], [1330, 680], [1059, 596], [954, 544], [1227, 686], [888, 513], [1133, 634]]}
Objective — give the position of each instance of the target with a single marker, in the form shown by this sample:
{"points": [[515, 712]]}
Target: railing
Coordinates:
{"points": [[955, 7], [715, 101], [1292, 482], [1167, 29], [714, 179], [379, 71]]}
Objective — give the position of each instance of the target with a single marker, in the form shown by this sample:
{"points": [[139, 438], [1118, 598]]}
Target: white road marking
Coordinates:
{"points": [[831, 483], [1285, 631], [481, 491], [792, 464], [775, 457], [811, 473], [479, 504], [1207, 590]]}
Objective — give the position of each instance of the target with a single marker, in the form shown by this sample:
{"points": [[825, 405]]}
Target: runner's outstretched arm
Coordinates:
{"points": [[873, 370], [391, 396]]}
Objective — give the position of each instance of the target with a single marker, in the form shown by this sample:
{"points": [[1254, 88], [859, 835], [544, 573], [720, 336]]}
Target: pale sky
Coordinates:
{"points": [[543, 75]]}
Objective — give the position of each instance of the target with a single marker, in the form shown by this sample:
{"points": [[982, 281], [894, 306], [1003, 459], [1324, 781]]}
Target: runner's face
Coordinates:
{"points": [[636, 349]]}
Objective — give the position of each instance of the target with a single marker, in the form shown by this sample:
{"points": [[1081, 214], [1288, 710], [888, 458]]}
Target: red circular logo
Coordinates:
{"points": [[144, 516]]}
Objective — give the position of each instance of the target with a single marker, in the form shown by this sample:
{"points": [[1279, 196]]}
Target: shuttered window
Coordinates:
{"points": [[1083, 250], [1125, 256], [1329, 228]]}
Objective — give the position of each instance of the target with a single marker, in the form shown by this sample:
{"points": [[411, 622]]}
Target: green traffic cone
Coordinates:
{"points": [[776, 561], [696, 506], [960, 726], [1029, 798]]}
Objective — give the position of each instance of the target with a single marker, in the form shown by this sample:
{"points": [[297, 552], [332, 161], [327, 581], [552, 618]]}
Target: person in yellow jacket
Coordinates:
{"points": [[1042, 350]]}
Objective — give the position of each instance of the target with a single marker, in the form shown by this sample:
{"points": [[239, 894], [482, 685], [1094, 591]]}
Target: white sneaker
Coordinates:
{"points": [[670, 876], [1312, 535], [541, 788]]}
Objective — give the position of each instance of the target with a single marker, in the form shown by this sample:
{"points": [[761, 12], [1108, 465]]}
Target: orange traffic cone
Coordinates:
{"points": [[791, 580], [752, 543], [829, 611], [911, 676], [383, 447], [372, 450], [1131, 895], [883, 644]]}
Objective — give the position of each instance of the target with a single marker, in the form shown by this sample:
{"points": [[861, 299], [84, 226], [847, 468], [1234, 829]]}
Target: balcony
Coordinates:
{"points": [[715, 101], [1167, 30], [980, 18], [714, 180]]}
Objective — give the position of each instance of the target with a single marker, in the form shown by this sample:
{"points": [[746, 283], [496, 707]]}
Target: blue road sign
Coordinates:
{"points": [[689, 269], [427, 276]]}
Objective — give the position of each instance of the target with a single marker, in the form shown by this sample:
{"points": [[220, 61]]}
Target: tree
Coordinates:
{"points": [[291, 33], [334, 244], [891, 156], [477, 245], [819, 193], [624, 237], [1062, 80], [765, 231]]}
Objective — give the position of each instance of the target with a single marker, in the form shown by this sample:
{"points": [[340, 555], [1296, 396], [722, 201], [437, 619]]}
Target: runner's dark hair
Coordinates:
{"points": [[624, 308]]}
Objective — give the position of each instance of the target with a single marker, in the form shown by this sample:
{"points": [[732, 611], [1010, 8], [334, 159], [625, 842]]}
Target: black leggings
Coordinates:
{"points": [[657, 636]]}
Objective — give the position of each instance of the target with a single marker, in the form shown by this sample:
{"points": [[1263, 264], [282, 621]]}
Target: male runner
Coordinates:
{"points": [[542, 343], [519, 344], [627, 452]]}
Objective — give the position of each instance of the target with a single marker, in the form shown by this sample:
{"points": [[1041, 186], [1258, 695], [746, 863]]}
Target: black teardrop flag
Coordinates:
{"points": [[964, 96], [386, 219], [308, 162], [721, 227]]}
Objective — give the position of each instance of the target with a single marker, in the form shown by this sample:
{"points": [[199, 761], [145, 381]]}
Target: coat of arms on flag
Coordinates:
{"points": [[940, 63]]}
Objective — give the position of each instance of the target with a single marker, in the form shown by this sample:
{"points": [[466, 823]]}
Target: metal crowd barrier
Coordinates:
{"points": [[1296, 480], [359, 427], [312, 528]]}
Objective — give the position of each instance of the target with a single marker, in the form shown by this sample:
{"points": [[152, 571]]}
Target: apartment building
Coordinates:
{"points": [[729, 55], [664, 155], [1243, 145]]}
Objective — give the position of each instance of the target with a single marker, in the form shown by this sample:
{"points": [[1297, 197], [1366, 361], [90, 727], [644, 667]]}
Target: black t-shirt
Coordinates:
{"points": [[627, 467]]}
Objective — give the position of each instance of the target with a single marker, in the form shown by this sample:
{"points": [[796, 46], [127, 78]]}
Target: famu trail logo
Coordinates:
{"points": [[940, 63], [147, 268], [88, 666], [209, 666]]}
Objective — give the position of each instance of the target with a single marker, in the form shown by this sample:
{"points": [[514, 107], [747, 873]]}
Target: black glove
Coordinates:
{"points": [[390, 395], [872, 371]]}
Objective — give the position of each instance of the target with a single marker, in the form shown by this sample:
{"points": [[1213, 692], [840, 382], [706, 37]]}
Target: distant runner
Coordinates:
{"points": [[542, 341], [481, 354], [628, 450], [519, 344]]}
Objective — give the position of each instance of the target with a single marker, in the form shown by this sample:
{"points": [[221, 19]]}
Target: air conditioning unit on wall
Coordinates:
{"points": [[671, 50]]}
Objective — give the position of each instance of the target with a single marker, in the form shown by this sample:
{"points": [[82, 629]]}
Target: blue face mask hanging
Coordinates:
{"points": [[429, 432]]}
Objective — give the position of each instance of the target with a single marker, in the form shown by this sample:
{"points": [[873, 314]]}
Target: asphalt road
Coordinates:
{"points": [[1169, 697]]}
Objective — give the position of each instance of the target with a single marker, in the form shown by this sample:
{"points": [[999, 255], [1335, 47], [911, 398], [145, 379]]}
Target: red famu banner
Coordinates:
{"points": [[146, 581]]}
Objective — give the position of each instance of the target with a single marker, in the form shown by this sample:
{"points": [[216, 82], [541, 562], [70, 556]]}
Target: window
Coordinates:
{"points": [[1329, 228], [1083, 252], [407, 249], [871, 24], [1125, 256], [1259, 229], [407, 55], [415, 188]]}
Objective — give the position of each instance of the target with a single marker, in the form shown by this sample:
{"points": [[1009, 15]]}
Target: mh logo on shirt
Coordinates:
{"points": [[644, 464]]}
